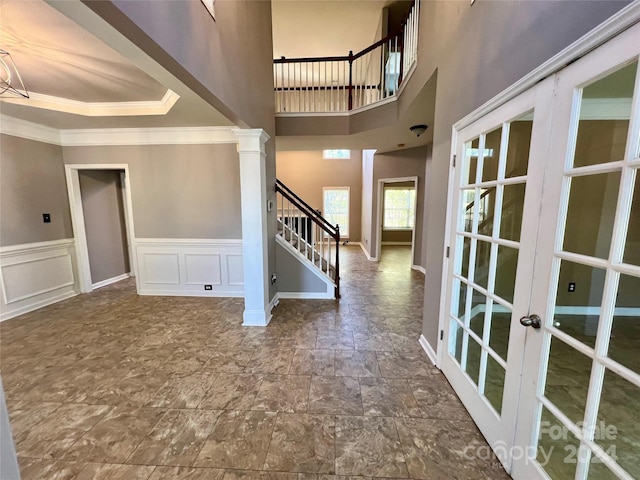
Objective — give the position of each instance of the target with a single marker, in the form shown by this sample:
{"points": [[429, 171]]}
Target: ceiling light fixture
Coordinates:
{"points": [[418, 130], [11, 83]]}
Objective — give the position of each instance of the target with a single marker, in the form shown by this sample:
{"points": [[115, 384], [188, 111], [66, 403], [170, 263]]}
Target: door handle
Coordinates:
{"points": [[531, 321]]}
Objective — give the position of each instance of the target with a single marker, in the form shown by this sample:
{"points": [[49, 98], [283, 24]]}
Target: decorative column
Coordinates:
{"points": [[253, 193]]}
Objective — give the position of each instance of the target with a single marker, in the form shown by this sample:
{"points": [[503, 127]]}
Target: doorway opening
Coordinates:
{"points": [[102, 219]]}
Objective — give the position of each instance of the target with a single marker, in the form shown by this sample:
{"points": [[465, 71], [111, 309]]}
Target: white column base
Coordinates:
{"points": [[256, 318]]}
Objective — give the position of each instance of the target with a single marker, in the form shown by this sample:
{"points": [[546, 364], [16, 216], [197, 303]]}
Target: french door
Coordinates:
{"points": [[543, 327]]}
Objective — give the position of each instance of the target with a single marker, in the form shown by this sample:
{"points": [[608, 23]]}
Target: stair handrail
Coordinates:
{"points": [[307, 209], [323, 223]]}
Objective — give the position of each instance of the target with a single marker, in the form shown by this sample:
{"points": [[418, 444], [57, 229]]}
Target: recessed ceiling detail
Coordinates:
{"points": [[98, 109]]}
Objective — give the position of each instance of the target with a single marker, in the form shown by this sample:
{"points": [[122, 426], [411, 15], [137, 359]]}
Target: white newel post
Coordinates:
{"points": [[253, 192]]}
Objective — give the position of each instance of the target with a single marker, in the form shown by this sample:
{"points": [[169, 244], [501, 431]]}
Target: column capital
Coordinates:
{"points": [[251, 139]]}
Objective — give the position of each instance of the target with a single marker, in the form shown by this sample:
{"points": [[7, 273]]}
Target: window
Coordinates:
{"points": [[336, 208], [399, 208], [336, 154]]}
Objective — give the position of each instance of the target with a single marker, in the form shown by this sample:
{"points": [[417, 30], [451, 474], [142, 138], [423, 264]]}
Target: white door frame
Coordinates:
{"points": [[381, 183], [72, 172]]}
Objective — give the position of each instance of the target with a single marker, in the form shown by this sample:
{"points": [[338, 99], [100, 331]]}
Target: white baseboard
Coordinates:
{"points": [[34, 275], [428, 350], [182, 267], [109, 281], [419, 268], [307, 295], [369, 257], [256, 318]]}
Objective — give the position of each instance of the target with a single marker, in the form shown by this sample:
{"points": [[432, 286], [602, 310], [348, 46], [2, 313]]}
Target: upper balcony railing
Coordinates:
{"points": [[341, 84]]}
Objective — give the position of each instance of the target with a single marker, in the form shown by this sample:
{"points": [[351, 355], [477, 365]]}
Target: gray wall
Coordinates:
{"points": [[104, 220], [8, 460], [479, 50], [306, 173], [178, 191], [293, 276], [403, 163], [32, 182], [228, 62]]}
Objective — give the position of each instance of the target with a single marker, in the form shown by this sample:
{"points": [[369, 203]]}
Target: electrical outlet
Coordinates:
{"points": [[46, 217], [572, 287], [208, 287], [273, 278]]}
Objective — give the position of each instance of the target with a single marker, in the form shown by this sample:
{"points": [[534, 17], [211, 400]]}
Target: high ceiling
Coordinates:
{"points": [[67, 70]]}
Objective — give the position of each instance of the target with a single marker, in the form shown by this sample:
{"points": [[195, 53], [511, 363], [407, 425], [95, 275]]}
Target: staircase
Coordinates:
{"points": [[308, 234]]}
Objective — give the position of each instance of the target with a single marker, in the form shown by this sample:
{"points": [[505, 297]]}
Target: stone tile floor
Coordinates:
{"points": [[111, 385]]}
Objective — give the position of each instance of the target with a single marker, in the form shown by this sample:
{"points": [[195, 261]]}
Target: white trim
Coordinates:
{"points": [[419, 268], [428, 349], [29, 130], [196, 242], [77, 220], [12, 250], [329, 294], [36, 305], [116, 136], [369, 257], [98, 109], [614, 25], [109, 281]]}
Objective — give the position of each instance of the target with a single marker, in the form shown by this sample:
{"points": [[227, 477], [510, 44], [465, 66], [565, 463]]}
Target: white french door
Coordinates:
{"points": [[543, 327]]}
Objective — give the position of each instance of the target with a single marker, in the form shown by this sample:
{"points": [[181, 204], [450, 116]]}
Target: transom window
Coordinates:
{"points": [[339, 154], [399, 208]]}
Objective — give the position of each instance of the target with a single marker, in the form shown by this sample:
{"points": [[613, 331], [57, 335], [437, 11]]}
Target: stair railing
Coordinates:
{"points": [[343, 83], [309, 233]]}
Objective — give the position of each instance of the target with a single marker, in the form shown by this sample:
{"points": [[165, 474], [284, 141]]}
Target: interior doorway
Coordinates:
{"points": [[396, 217], [102, 190]]}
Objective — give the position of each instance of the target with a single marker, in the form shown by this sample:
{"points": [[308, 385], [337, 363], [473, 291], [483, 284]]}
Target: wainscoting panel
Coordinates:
{"points": [[34, 275], [183, 267]]}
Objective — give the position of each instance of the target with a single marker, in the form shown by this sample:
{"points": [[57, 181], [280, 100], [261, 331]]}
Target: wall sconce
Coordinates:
{"points": [[418, 130], [10, 81]]}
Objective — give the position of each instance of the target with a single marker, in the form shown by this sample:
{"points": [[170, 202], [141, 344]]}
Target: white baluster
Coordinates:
{"points": [[328, 256]]}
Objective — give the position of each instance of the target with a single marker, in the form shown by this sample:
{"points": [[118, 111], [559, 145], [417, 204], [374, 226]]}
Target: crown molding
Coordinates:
{"points": [[29, 130], [116, 136], [98, 109]]}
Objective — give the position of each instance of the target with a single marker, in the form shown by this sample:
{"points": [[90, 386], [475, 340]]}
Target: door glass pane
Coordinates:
{"points": [[466, 252], [632, 245], [483, 258], [599, 471], [473, 360], [592, 208], [494, 383], [491, 153], [499, 331], [511, 217], [478, 310], [469, 203], [567, 382], [618, 428], [624, 344], [486, 213], [518, 146], [459, 299], [455, 340], [472, 161], [578, 301], [506, 266], [605, 110], [557, 448]]}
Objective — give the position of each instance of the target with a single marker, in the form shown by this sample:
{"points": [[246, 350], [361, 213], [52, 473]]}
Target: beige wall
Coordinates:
{"points": [[32, 182], [104, 221], [403, 163], [306, 173], [177, 191]]}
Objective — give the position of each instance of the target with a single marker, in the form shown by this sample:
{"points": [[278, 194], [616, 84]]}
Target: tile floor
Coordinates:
{"points": [[111, 385]]}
